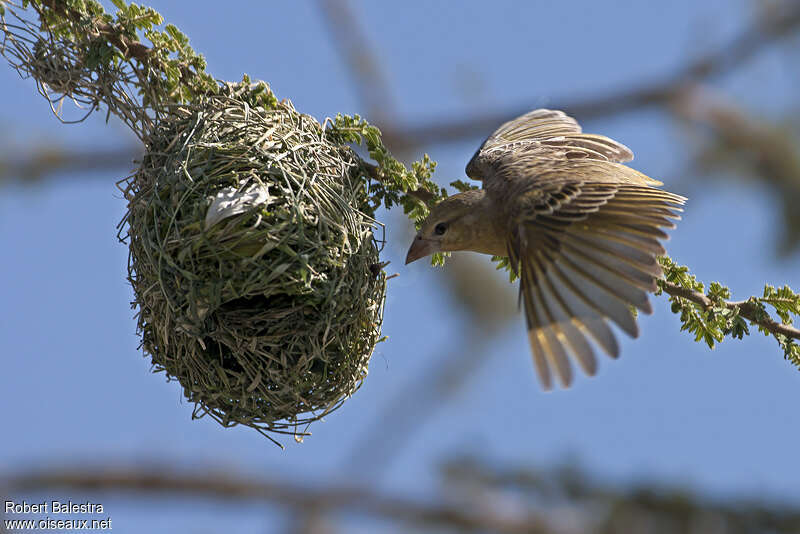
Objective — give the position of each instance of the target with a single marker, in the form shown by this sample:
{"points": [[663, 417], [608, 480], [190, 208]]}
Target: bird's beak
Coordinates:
{"points": [[419, 249]]}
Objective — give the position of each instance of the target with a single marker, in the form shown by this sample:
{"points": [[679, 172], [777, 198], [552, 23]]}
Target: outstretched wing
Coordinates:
{"points": [[584, 234], [585, 252], [549, 134]]}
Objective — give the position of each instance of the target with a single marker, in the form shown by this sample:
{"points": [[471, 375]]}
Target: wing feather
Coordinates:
{"points": [[549, 134], [586, 318], [541, 323], [568, 327], [585, 260]]}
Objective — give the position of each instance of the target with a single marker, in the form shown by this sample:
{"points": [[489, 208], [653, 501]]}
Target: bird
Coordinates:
{"points": [[581, 231]]}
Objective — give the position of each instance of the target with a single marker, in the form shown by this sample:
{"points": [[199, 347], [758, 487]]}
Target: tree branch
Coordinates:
{"points": [[746, 308], [423, 195], [130, 48]]}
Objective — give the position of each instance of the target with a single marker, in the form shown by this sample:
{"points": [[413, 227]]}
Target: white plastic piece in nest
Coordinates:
{"points": [[233, 201]]}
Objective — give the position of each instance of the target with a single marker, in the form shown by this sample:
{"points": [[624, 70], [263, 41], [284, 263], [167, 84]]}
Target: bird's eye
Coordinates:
{"points": [[440, 229]]}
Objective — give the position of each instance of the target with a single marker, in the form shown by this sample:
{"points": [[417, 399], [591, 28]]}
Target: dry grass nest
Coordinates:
{"points": [[253, 261]]}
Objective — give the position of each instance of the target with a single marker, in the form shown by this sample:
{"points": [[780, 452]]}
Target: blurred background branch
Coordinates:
{"points": [[477, 496], [776, 22], [45, 160], [167, 483], [733, 142], [583, 505], [355, 50]]}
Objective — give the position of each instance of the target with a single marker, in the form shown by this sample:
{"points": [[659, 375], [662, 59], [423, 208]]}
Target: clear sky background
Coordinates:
{"points": [[75, 390]]}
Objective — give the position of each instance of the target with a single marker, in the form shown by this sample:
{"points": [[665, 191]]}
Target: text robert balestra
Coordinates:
{"points": [[53, 507]]}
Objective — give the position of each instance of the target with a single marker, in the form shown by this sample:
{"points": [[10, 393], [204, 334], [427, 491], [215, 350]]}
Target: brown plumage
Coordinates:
{"points": [[580, 229]]}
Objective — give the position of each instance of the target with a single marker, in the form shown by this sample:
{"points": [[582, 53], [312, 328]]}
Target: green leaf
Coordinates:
{"points": [[461, 186], [723, 319]]}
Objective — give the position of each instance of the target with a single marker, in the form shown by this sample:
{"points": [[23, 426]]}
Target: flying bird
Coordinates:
{"points": [[580, 229]]}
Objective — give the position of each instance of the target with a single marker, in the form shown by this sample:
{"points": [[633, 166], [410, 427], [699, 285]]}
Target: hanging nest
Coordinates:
{"points": [[253, 261]]}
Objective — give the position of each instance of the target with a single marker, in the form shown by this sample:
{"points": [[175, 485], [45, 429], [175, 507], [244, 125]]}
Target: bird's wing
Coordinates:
{"points": [[551, 134], [585, 252]]}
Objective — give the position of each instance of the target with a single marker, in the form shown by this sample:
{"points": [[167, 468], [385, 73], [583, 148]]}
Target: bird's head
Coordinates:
{"points": [[459, 222]]}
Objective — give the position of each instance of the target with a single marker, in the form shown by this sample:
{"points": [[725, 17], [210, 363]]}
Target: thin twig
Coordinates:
{"points": [[747, 309], [423, 195], [130, 48]]}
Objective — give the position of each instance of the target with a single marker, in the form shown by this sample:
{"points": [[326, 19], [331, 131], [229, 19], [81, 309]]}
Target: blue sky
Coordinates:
{"points": [[74, 388]]}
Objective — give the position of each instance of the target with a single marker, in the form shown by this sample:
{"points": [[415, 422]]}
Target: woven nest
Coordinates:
{"points": [[55, 68], [253, 261]]}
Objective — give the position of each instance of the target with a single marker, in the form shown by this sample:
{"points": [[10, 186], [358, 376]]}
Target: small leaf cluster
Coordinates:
{"points": [[182, 70], [709, 324], [720, 318], [786, 304], [504, 263], [181, 74], [171, 71], [461, 186], [391, 180]]}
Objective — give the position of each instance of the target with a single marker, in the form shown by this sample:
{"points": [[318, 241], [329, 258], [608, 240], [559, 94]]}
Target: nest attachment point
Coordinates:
{"points": [[253, 261]]}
